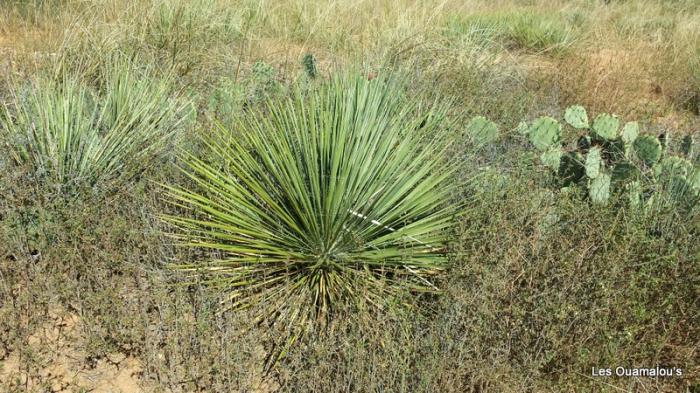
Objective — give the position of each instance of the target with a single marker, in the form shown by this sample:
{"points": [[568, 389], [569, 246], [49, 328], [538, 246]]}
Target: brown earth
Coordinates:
{"points": [[63, 365]]}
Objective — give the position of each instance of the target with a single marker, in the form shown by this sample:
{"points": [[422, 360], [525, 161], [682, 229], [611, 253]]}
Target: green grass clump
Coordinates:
{"points": [[181, 32], [334, 199], [69, 134], [525, 30]]}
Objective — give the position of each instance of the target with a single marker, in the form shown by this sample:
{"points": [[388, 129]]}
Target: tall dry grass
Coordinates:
{"points": [[644, 39]]}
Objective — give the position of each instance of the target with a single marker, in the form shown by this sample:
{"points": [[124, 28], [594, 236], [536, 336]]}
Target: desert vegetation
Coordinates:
{"points": [[406, 196]]}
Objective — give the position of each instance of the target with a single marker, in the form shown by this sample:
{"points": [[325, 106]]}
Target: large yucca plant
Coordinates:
{"points": [[70, 134], [331, 198]]}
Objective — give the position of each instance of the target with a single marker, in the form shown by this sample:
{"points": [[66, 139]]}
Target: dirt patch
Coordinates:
{"points": [[53, 360]]}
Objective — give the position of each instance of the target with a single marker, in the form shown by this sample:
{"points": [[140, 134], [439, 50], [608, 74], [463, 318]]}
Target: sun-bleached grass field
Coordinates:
{"points": [[140, 139]]}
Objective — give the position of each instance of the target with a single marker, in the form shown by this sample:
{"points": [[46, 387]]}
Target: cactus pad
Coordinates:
{"points": [[630, 132], [648, 149], [482, 130], [552, 158], [594, 162], [605, 126], [599, 189], [625, 171], [576, 116], [673, 172], [544, 133]]}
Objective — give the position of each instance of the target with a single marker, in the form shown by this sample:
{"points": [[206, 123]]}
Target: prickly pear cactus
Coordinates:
{"points": [[571, 168], [608, 159], [630, 132], [482, 131], [605, 126], [594, 163], [634, 194], [576, 116], [648, 149], [583, 143], [545, 133], [552, 158], [599, 189], [624, 171]]}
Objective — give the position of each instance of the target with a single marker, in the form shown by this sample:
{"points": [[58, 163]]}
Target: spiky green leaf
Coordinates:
{"points": [[70, 134]]}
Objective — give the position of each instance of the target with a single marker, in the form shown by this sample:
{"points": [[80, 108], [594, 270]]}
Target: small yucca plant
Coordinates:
{"points": [[334, 198], [71, 135]]}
